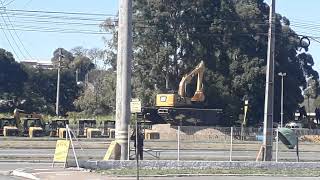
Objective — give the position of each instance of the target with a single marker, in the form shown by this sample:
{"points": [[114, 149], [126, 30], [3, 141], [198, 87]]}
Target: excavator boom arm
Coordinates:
{"points": [[186, 79]]}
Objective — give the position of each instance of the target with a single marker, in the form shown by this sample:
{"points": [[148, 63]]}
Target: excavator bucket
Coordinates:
{"points": [[198, 96]]}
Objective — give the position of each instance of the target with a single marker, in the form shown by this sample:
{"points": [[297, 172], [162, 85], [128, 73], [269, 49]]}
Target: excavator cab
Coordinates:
{"points": [[8, 127], [58, 128], [109, 128], [29, 124], [87, 128], [32, 127]]}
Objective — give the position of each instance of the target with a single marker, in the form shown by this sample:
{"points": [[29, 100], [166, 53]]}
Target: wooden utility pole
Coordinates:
{"points": [[123, 94], [269, 91]]}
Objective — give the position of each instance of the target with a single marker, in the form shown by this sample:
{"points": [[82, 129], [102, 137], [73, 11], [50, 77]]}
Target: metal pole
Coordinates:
{"points": [[277, 145], [281, 101], [231, 141], [123, 89], [269, 91], [74, 152], [137, 152], [128, 144], [178, 143], [282, 86], [58, 83], [77, 75]]}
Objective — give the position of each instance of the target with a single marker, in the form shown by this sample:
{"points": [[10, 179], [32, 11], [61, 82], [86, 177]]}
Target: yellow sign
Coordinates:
{"points": [[62, 150], [110, 150], [135, 106]]}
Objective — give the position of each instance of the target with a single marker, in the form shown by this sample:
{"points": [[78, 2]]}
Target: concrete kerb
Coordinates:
{"points": [[105, 165]]}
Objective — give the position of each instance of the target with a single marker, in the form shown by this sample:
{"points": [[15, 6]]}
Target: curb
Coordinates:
{"points": [[20, 173], [203, 175], [5, 173]]}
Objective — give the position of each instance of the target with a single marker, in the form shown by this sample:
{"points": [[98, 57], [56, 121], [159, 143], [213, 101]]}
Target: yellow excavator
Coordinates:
{"points": [[87, 128], [166, 101], [180, 109], [8, 126], [29, 124]]}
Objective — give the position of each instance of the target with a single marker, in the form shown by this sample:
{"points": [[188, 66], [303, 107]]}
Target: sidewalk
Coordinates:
{"points": [[71, 174], [60, 173]]}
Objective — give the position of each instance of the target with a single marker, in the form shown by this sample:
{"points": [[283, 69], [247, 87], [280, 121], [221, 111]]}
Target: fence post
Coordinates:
{"points": [[277, 144], [178, 143], [231, 139], [129, 142]]}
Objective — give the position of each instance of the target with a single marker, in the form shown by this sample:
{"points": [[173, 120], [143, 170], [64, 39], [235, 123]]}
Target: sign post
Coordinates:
{"points": [[135, 107]]}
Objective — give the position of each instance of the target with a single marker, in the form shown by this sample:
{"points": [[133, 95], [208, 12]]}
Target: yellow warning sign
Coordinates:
{"points": [[62, 150], [110, 150]]}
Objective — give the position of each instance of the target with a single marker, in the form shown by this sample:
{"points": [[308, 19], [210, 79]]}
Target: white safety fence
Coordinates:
{"points": [[165, 142]]}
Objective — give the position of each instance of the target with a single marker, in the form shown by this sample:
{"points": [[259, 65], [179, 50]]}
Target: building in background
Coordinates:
{"points": [[37, 64]]}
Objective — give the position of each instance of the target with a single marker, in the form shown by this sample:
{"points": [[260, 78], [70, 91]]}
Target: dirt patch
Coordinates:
{"points": [[192, 133], [310, 138]]}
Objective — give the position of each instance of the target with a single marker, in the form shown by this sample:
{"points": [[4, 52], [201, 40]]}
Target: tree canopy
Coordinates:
{"points": [[172, 37]]}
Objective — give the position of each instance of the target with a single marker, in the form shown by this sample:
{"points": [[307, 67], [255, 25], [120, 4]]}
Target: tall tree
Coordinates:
{"points": [[12, 76], [172, 37], [67, 57]]}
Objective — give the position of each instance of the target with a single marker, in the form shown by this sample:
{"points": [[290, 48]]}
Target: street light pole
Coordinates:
{"points": [[269, 96], [58, 82], [282, 76]]}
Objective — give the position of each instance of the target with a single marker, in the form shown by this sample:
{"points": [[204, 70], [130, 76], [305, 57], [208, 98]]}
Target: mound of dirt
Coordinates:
{"points": [[192, 133], [310, 138]]}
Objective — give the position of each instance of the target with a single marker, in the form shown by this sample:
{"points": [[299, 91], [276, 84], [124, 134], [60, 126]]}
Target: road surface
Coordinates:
{"points": [[165, 154]]}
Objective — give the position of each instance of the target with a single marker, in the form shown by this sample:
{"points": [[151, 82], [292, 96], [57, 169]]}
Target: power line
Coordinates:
{"points": [[56, 17], [9, 3], [63, 31], [46, 18], [314, 39], [5, 34], [61, 12], [18, 37], [14, 41]]}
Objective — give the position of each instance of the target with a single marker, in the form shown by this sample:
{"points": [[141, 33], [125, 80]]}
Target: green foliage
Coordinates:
{"points": [[172, 37], [66, 58], [316, 102], [99, 97], [12, 76], [41, 87]]}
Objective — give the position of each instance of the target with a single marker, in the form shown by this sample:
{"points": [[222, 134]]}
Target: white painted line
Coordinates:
{"points": [[24, 175]]}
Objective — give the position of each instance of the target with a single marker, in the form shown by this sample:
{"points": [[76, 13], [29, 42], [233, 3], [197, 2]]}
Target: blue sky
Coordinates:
{"points": [[304, 17], [41, 45]]}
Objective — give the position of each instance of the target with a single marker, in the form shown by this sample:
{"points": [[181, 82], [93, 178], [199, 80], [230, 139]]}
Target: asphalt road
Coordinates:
{"points": [[165, 154]]}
